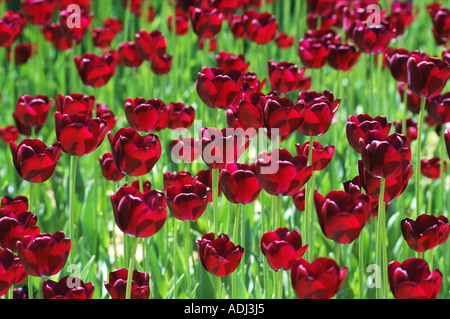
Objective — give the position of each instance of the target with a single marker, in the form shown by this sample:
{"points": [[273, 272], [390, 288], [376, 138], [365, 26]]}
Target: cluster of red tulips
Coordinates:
{"points": [[241, 106]]}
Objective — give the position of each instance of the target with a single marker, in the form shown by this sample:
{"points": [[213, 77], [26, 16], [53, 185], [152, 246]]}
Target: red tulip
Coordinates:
{"points": [[11, 27], [75, 103], [133, 154], [439, 109], [343, 56], [103, 37], [320, 279], [239, 183], [180, 116], [440, 16], [94, 70], [317, 111], [67, 287], [150, 45], [34, 161], [357, 128], [14, 226], [16, 204], [284, 41], [44, 255], [251, 109], [260, 27], [426, 232], [431, 167], [412, 279], [427, 76], [281, 247], [285, 76], [447, 141], [185, 150], [187, 201], [143, 115], [22, 53], [162, 64], [181, 22], [219, 256], [313, 52], [299, 200], [372, 39], [117, 284], [128, 55], [281, 114], [76, 31], [38, 12], [217, 88], [79, 134], [104, 113], [282, 174], [341, 217], [321, 156], [9, 133], [109, 168], [54, 33], [139, 214], [32, 111], [206, 22], [411, 128], [8, 270], [228, 61]]}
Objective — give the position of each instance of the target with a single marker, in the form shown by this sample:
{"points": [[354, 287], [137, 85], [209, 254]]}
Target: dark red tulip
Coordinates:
{"points": [[21, 273], [103, 37], [128, 55], [321, 7], [16, 204], [355, 189], [133, 154], [227, 7], [75, 31], [357, 128], [9, 133], [228, 61], [79, 134], [161, 64], [397, 60], [239, 183], [284, 41], [438, 109], [446, 56], [411, 128], [219, 256], [75, 103], [431, 167], [38, 12], [104, 113], [412, 279], [250, 84], [372, 39], [139, 214], [180, 116], [401, 16], [67, 287], [440, 16], [11, 27], [185, 150], [44, 255], [285, 76], [23, 52], [117, 284], [385, 157], [150, 45], [251, 109], [34, 161], [181, 22], [394, 187], [187, 201], [54, 33], [426, 232], [427, 76], [282, 174], [32, 111], [212, 46], [8, 270], [205, 177], [413, 101], [281, 247], [15, 226], [220, 147], [217, 88], [299, 200], [260, 27], [317, 111], [143, 115], [95, 70], [235, 121], [320, 279], [321, 155], [313, 52], [343, 56], [236, 25], [281, 114], [109, 168], [178, 179], [206, 22], [341, 217]]}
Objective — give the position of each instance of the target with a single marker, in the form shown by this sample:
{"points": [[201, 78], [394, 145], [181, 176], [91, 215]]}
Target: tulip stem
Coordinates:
{"points": [[309, 200], [361, 264], [419, 151], [187, 254], [30, 287], [380, 237], [215, 185], [72, 181], [175, 290], [131, 266], [235, 235], [442, 169]]}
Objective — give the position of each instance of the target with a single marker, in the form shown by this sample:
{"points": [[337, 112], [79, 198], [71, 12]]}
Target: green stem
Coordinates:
{"points": [[72, 181], [361, 264], [309, 201], [215, 185], [380, 233], [187, 254], [175, 288], [235, 235], [30, 287], [419, 151], [131, 267], [442, 169]]}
